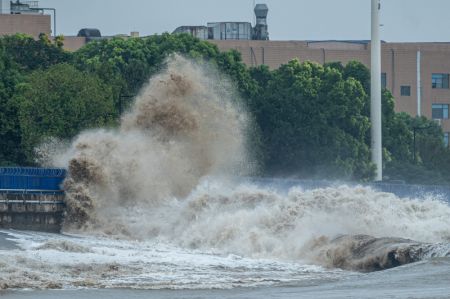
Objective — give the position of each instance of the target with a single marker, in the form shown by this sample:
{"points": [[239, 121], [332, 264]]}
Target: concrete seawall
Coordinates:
{"points": [[25, 211]]}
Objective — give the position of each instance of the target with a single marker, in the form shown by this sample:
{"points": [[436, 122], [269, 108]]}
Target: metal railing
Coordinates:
{"points": [[38, 202], [32, 191], [38, 197]]}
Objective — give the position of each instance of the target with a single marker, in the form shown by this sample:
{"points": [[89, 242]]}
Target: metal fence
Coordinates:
{"points": [[31, 179]]}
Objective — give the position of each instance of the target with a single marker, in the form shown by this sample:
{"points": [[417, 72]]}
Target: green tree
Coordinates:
{"points": [[60, 102], [312, 121], [126, 64], [59, 41], [309, 120], [10, 134], [118, 66], [432, 159], [30, 54]]}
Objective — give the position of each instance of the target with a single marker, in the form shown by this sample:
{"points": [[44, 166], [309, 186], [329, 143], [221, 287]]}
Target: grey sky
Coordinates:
{"points": [[403, 20]]}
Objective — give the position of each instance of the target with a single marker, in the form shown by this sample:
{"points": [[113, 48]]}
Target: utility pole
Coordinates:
{"points": [[375, 91], [419, 84]]}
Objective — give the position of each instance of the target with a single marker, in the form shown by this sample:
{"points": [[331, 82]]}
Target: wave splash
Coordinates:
{"points": [[183, 126], [353, 228], [166, 174]]}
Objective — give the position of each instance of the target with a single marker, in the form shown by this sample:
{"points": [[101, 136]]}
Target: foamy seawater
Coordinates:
{"points": [[72, 266], [159, 203], [53, 261], [236, 235]]}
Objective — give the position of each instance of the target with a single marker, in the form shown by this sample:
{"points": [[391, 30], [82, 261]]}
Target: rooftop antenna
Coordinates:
{"points": [[375, 91]]}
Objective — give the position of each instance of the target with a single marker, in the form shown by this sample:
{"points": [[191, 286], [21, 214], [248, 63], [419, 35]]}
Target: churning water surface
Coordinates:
{"points": [[155, 205]]}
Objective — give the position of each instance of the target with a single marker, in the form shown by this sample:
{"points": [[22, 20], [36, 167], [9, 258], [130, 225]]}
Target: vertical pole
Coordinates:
{"points": [[375, 91], [414, 145], [254, 15], [54, 21], [419, 87]]}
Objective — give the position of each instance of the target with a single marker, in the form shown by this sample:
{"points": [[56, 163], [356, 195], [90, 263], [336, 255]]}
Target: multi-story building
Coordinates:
{"points": [[417, 74], [23, 17]]}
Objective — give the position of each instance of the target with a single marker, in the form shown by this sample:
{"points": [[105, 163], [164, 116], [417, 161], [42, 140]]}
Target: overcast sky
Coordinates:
{"points": [[403, 20]]}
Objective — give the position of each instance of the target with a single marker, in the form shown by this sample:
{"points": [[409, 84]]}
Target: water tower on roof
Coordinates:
{"points": [[260, 31]]}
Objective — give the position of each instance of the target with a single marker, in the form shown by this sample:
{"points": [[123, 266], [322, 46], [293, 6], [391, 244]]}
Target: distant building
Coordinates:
{"points": [[200, 32], [232, 30], [91, 34], [23, 17], [417, 74]]}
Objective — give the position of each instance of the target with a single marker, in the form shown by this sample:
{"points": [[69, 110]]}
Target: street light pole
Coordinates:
{"points": [[375, 92]]}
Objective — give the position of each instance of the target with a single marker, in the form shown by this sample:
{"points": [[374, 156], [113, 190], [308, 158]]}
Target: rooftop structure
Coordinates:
{"points": [[232, 30], [260, 30], [25, 7], [408, 70], [24, 17], [200, 32]]}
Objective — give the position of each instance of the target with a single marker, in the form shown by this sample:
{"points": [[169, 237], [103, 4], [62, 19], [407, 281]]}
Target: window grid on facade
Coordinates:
{"points": [[439, 81], [405, 91], [439, 111]]}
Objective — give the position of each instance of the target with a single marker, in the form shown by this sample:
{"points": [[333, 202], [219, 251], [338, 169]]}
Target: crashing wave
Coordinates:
{"points": [[166, 173]]}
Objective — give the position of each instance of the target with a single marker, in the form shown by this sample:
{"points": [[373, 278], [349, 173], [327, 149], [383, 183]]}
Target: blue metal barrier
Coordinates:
{"points": [[31, 179]]}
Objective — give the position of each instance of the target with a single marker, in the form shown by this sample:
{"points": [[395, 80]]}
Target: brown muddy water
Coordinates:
{"points": [[157, 208]]}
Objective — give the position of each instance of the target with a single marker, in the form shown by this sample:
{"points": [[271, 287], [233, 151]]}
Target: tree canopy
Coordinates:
{"points": [[310, 120], [60, 102]]}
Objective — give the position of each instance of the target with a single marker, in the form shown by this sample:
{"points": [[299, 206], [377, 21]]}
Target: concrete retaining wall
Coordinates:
{"points": [[42, 212]]}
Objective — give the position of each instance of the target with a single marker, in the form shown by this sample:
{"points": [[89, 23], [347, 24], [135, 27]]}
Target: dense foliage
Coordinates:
{"points": [[60, 102], [310, 120], [430, 162], [10, 134]]}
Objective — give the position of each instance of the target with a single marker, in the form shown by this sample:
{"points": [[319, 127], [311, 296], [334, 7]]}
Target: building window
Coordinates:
{"points": [[439, 111], [439, 81], [446, 139], [405, 91], [383, 80]]}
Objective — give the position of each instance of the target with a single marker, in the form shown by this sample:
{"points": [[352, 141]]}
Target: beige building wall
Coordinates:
{"points": [[435, 62], [22, 23], [73, 43], [399, 62]]}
